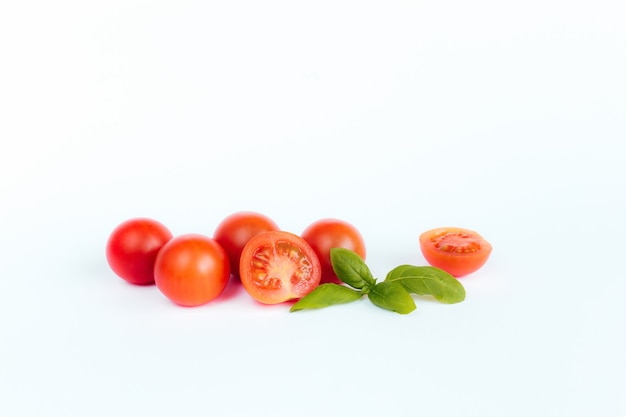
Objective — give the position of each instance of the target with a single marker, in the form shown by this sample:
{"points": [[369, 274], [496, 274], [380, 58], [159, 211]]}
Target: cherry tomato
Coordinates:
{"points": [[456, 250], [278, 266], [191, 270], [325, 234], [236, 230], [132, 248]]}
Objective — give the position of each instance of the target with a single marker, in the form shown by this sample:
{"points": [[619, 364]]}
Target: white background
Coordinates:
{"points": [[506, 117]]}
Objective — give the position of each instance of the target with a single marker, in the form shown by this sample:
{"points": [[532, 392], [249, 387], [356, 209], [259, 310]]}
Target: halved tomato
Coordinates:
{"points": [[278, 266], [456, 250]]}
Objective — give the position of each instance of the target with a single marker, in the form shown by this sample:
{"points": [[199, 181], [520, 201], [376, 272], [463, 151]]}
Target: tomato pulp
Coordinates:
{"points": [[325, 234], [132, 248], [191, 270], [456, 250], [278, 266], [236, 230]]}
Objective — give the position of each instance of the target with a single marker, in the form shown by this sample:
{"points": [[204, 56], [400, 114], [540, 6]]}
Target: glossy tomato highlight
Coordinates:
{"points": [[278, 266], [236, 230], [192, 270], [132, 248], [325, 234], [456, 250]]}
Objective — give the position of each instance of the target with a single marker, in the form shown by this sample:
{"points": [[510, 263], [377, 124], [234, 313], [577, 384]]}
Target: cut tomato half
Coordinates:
{"points": [[456, 250], [278, 266]]}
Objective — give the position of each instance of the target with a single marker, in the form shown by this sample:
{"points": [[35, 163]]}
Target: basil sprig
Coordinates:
{"points": [[393, 294]]}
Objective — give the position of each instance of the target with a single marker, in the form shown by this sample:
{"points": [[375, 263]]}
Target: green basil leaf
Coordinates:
{"points": [[351, 269], [326, 295], [392, 296], [428, 280]]}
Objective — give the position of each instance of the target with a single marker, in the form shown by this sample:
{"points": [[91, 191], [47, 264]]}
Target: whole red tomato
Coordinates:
{"points": [[191, 270], [236, 230], [325, 234], [132, 248]]}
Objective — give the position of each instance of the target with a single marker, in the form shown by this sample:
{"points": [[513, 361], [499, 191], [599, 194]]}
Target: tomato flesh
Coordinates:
{"points": [[456, 243], [278, 266], [456, 250]]}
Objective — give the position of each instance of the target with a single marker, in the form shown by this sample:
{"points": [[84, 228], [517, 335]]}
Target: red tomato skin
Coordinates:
{"points": [[192, 270], [132, 248], [457, 263], [279, 266], [325, 234], [236, 230]]}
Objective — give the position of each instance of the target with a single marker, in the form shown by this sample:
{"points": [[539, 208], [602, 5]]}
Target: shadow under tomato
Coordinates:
{"points": [[290, 302], [232, 290]]}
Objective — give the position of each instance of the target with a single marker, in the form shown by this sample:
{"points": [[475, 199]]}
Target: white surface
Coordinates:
{"points": [[504, 117]]}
